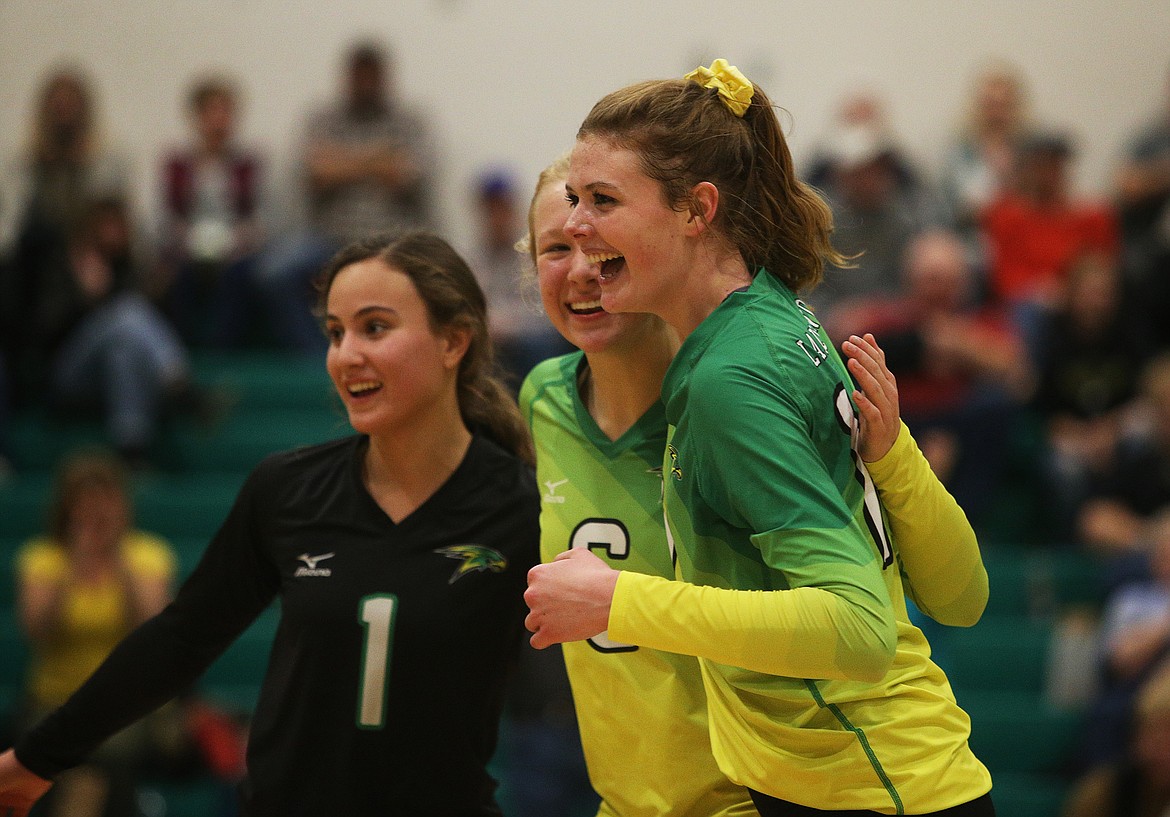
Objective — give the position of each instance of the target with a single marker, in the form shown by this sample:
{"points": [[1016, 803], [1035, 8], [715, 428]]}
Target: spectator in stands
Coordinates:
{"points": [[864, 109], [1036, 231], [980, 161], [1138, 784], [1135, 643], [877, 212], [1136, 626], [1143, 182], [1091, 357], [212, 225], [1116, 517], [82, 587], [369, 166], [44, 193], [106, 348], [962, 372], [522, 333], [1143, 199]]}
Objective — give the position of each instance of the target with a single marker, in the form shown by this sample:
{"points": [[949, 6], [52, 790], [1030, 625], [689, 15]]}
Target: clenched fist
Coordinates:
{"points": [[569, 598]]}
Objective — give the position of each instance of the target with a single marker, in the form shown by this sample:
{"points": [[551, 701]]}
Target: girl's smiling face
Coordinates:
{"points": [[621, 221], [570, 288], [385, 359]]}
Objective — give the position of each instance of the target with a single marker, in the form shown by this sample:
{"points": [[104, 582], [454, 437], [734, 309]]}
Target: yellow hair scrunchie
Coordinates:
{"points": [[735, 90]]}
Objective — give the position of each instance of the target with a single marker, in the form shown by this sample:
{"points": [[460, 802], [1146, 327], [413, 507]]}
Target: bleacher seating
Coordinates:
{"points": [[1000, 673]]}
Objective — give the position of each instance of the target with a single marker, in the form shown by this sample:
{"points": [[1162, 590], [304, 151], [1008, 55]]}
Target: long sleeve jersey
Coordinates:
{"points": [[385, 681]]}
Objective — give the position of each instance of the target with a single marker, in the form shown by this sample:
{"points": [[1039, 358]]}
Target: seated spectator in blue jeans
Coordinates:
{"points": [[104, 344]]}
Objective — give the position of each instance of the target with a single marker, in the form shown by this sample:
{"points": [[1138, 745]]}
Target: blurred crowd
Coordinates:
{"points": [[101, 307], [1027, 322]]}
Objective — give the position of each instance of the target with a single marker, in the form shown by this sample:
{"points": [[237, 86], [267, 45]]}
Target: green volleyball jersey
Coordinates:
{"points": [[825, 694], [642, 712]]}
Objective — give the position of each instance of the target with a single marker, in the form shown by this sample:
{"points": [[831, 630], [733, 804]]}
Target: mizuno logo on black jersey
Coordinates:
{"points": [[310, 568]]}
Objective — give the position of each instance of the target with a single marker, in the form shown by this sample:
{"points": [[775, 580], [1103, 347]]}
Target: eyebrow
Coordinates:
{"points": [[365, 310], [591, 186]]}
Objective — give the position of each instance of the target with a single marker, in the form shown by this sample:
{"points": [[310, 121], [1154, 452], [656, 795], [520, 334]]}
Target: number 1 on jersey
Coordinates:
{"points": [[376, 614]]}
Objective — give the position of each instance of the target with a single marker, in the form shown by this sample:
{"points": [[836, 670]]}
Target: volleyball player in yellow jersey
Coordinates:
{"points": [[600, 430]]}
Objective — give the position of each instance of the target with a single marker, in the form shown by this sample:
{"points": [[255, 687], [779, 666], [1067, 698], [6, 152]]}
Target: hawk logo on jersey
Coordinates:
{"points": [[310, 568], [552, 486], [476, 559], [675, 471]]}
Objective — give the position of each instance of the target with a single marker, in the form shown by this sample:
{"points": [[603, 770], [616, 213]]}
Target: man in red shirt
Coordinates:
{"points": [[1036, 231]]}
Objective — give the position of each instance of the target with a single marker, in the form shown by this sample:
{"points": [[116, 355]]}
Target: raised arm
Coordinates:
{"points": [[943, 569]]}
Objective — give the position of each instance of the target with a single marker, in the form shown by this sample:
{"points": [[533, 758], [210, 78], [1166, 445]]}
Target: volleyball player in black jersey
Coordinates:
{"points": [[399, 556]]}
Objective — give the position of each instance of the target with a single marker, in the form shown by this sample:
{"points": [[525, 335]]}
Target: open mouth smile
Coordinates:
{"points": [[611, 263], [585, 307], [362, 388]]}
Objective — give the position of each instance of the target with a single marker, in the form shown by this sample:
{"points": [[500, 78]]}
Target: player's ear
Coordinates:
{"points": [[456, 341], [704, 203]]}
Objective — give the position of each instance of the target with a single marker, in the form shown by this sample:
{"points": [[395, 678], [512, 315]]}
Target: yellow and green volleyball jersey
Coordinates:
{"points": [[820, 690], [642, 712]]}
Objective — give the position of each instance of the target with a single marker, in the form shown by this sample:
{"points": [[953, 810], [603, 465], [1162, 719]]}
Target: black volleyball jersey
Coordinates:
{"points": [[384, 687]]}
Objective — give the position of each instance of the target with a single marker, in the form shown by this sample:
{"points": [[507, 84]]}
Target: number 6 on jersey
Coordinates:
{"points": [[611, 536]]}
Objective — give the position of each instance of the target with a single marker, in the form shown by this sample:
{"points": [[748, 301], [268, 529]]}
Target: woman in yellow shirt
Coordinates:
{"points": [[81, 588]]}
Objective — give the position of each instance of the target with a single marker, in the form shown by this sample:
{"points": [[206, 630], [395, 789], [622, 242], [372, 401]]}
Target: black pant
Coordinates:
{"points": [[771, 807]]}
